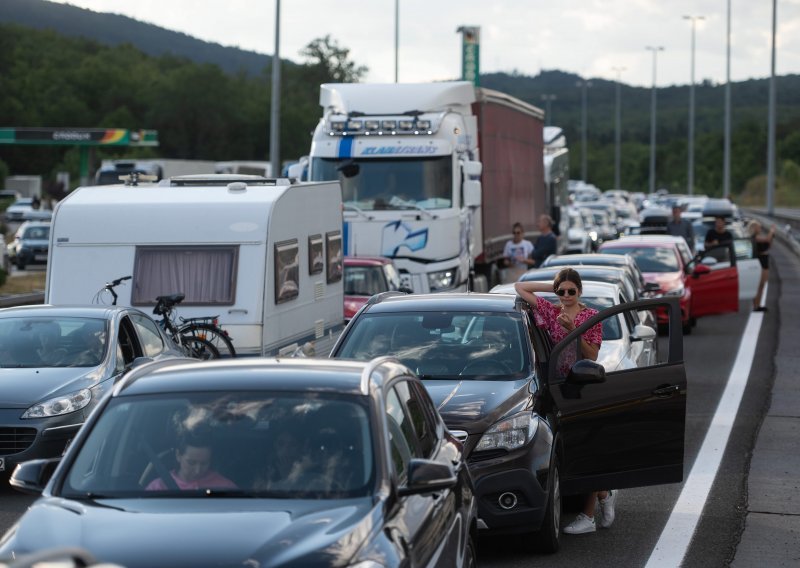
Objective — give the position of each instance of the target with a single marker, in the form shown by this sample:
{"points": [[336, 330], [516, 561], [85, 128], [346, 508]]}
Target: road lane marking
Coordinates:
{"points": [[676, 537]]}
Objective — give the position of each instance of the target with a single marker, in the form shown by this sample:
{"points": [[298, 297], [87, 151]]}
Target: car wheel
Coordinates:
{"points": [[470, 555], [547, 538], [20, 265], [687, 327]]}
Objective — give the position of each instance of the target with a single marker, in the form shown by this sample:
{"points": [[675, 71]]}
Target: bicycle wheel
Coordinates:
{"points": [[199, 348], [214, 335]]}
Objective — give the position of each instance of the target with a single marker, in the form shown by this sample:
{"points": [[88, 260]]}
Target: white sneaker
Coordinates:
{"points": [[607, 509], [581, 525]]}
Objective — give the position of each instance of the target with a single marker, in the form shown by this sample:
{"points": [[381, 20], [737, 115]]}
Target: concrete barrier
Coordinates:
{"points": [[21, 300]]}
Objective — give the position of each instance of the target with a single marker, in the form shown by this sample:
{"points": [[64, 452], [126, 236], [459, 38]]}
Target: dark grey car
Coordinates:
{"points": [[56, 362]]}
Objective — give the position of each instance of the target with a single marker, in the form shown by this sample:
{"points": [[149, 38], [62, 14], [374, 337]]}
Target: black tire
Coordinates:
{"points": [[199, 348], [548, 538], [470, 556], [218, 338], [687, 328]]}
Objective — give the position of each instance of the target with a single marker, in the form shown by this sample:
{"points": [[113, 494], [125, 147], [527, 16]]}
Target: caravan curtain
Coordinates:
{"points": [[205, 274]]}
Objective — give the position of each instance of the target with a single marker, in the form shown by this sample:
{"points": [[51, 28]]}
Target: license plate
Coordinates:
{"points": [[2, 464], [40, 257]]}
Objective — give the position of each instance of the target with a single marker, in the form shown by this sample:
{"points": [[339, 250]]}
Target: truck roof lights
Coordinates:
{"points": [[389, 124], [406, 124]]}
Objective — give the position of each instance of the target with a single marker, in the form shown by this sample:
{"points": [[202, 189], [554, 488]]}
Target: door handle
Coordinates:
{"points": [[666, 391]]}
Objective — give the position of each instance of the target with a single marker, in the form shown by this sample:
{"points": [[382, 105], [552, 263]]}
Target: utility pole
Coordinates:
{"points": [[584, 171], [275, 115], [618, 129], [655, 51], [690, 148]]}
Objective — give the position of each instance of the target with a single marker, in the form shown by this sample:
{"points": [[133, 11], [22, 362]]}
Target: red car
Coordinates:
{"points": [[705, 288], [365, 276]]}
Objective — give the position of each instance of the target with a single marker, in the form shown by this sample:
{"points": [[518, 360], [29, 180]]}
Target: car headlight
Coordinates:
{"points": [[509, 434], [60, 405], [442, 280], [676, 292]]}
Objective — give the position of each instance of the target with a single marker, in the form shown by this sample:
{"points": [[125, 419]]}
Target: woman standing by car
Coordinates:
{"points": [[559, 322], [761, 245]]}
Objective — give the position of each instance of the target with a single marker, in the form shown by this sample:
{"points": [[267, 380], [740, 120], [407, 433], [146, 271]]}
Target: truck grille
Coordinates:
{"points": [[15, 440]]}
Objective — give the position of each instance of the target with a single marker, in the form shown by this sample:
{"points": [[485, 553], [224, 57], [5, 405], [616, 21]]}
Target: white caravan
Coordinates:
{"points": [[263, 255]]}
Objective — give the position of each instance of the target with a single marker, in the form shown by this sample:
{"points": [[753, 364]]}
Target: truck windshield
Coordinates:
{"points": [[419, 183]]}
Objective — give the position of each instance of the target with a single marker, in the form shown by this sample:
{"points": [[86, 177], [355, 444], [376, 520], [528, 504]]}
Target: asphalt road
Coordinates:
{"points": [[642, 513]]}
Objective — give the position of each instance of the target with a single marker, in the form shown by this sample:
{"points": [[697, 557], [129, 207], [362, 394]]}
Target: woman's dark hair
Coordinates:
{"points": [[567, 275], [195, 439]]}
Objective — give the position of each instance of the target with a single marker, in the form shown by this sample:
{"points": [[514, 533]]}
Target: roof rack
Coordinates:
{"points": [[221, 180]]}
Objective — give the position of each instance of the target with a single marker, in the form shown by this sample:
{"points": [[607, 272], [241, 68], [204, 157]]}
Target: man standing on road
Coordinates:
{"points": [[546, 244], [517, 254], [680, 227]]}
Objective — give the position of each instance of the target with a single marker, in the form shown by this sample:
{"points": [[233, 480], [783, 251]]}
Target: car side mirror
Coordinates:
{"points": [[428, 476], [32, 476], [700, 269], [586, 372], [643, 332]]}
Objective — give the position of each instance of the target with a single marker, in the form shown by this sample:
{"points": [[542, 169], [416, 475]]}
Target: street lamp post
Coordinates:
{"points": [[583, 85], [548, 98], [396, 37], [690, 151], [618, 128], [726, 160], [655, 51], [275, 115], [771, 124]]}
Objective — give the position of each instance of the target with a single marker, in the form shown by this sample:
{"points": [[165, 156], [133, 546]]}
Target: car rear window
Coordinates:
{"points": [[650, 259]]}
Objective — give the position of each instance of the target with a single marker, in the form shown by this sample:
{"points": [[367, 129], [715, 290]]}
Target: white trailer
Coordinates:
{"points": [[263, 255]]}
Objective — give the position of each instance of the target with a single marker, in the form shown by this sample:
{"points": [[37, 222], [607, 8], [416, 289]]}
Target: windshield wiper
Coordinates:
{"points": [[399, 203], [358, 210]]}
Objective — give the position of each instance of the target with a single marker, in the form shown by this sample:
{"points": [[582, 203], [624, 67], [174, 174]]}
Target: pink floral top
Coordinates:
{"points": [[546, 315]]}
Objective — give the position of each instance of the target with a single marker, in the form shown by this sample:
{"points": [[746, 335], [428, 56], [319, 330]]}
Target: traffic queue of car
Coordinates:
{"points": [[436, 419]]}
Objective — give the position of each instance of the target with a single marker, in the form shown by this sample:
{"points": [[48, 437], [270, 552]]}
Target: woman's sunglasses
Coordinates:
{"points": [[570, 291]]}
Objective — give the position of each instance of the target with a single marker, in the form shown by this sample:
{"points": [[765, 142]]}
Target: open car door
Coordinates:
{"points": [[749, 268], [622, 428], [714, 281]]}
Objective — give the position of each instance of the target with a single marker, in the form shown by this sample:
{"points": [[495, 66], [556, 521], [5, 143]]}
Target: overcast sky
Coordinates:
{"points": [[587, 37]]}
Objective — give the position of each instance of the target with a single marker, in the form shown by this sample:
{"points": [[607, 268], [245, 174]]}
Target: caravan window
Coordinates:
{"points": [[205, 274]]}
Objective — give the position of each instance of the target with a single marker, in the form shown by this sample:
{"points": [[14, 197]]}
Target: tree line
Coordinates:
{"points": [[203, 112]]}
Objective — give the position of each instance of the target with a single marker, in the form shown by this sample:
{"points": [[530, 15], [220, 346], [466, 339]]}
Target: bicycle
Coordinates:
{"points": [[193, 345]]}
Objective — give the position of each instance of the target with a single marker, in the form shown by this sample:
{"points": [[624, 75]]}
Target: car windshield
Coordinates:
{"points": [[52, 342], [280, 445], [375, 184], [37, 233], [650, 259], [364, 280], [442, 345]]}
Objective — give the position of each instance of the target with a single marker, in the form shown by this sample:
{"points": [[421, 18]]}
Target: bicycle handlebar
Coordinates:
{"points": [[118, 281]]}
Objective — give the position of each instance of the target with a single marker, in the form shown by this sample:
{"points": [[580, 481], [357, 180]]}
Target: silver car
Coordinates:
{"points": [[57, 362]]}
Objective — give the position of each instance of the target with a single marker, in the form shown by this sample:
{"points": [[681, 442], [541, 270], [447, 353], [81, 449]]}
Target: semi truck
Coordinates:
{"points": [[433, 176]]}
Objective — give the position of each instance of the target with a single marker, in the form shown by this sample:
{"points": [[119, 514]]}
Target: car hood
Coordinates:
{"points": [[474, 405], [22, 386], [202, 532], [34, 242], [667, 280]]}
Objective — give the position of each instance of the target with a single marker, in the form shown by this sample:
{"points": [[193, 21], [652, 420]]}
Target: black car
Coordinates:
{"points": [[535, 422], [258, 462], [57, 362]]}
